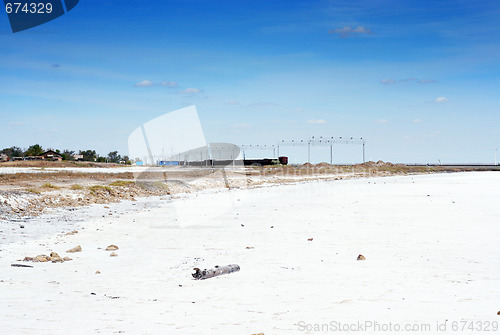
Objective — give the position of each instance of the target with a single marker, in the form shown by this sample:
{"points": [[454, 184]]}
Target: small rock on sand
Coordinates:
{"points": [[42, 258], [361, 258], [498, 313], [67, 259], [113, 254], [98, 272], [111, 247], [75, 249], [310, 239]]}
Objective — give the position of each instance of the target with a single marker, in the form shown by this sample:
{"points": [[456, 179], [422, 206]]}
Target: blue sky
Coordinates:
{"points": [[418, 79]]}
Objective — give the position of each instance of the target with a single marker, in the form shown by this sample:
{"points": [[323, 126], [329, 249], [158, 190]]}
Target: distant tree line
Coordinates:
{"points": [[67, 155]]}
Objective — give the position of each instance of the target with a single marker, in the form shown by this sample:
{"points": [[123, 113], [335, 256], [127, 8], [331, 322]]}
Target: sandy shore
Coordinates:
{"points": [[29, 189], [430, 242]]}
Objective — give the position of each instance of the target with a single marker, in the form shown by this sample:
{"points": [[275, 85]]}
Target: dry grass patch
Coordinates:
{"points": [[33, 190], [100, 189], [122, 183], [76, 187], [51, 186]]}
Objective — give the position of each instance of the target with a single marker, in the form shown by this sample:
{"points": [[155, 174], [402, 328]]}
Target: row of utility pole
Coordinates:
{"points": [[312, 142]]}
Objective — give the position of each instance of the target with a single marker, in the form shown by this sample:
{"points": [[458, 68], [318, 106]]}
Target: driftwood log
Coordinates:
{"points": [[216, 271], [21, 266]]}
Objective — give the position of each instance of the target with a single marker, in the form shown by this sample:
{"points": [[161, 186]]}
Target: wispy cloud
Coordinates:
{"points": [[391, 81], [417, 121], [382, 121], [144, 83], [168, 84], [16, 123], [148, 83], [348, 31], [232, 102], [441, 100], [190, 90], [316, 121]]}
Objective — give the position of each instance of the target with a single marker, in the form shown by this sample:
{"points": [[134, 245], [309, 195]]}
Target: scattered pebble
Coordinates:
{"points": [[113, 254], [111, 247], [75, 249], [54, 258], [361, 258]]}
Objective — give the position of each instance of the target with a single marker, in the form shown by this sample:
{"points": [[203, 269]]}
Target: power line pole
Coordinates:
{"points": [[364, 151], [309, 151]]}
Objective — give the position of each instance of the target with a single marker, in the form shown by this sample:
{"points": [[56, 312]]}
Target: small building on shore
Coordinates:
{"points": [[51, 155], [4, 158]]}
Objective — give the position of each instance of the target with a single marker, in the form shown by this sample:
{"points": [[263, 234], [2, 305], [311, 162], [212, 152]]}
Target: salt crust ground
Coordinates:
{"points": [[430, 242]]}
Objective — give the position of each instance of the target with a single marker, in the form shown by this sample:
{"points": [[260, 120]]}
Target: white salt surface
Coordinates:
{"points": [[431, 246]]}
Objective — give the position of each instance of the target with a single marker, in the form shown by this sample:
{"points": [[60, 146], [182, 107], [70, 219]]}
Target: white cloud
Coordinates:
{"points": [[417, 121], [148, 83], [16, 123], [441, 100], [348, 31], [382, 121], [232, 102], [316, 121], [191, 90], [144, 83]]}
